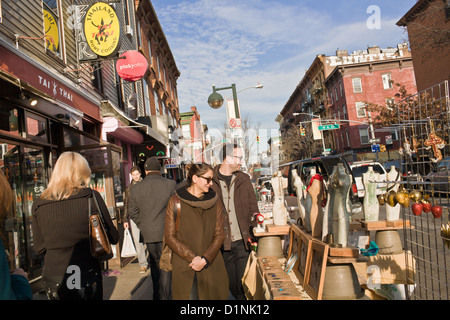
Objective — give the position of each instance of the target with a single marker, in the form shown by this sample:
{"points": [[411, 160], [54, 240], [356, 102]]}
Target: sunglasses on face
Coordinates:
{"points": [[208, 179]]}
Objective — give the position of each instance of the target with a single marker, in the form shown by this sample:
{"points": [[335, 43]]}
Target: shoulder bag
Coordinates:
{"points": [[98, 238], [165, 262]]}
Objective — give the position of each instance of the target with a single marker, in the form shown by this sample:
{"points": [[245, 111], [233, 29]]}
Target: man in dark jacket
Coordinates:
{"points": [[239, 204], [147, 208]]}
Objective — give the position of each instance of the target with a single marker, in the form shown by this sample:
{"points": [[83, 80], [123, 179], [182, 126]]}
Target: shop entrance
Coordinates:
{"points": [[25, 169]]}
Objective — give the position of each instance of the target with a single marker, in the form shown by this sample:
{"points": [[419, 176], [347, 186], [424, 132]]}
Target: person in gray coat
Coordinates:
{"points": [[147, 208]]}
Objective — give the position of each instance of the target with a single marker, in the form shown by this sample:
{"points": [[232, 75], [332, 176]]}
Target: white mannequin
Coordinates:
{"points": [[393, 213], [370, 205], [280, 214], [298, 184]]}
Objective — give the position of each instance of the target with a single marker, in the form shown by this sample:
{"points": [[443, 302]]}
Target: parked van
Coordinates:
{"points": [[361, 167]]}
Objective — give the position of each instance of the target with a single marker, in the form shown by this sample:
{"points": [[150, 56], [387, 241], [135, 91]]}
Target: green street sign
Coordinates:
{"points": [[329, 127]]}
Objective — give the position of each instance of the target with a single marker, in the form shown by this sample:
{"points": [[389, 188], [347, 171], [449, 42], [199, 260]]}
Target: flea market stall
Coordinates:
{"points": [[395, 248]]}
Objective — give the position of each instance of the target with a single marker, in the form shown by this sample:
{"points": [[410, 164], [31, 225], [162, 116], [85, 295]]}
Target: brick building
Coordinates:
{"points": [[369, 78], [428, 25]]}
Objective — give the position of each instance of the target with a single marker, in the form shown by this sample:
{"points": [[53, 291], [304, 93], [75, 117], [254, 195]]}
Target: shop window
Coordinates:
{"points": [[52, 26], [36, 127], [9, 120]]}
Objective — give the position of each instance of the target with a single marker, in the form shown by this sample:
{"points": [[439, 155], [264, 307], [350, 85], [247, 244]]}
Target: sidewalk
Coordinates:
{"points": [[127, 283]]}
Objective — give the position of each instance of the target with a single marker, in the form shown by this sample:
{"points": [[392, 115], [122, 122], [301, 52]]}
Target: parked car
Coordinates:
{"points": [[324, 166], [439, 179], [264, 190], [361, 167]]}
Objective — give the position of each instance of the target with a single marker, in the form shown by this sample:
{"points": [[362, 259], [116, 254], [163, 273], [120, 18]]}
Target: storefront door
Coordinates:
{"points": [[25, 168]]}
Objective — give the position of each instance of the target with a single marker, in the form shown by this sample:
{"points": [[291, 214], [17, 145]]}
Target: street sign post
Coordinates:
{"points": [[375, 148], [329, 127]]}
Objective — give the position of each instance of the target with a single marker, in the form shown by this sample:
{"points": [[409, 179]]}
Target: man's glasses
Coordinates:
{"points": [[208, 179]]}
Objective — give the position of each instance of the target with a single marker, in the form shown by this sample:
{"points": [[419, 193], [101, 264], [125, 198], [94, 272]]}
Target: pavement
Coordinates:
{"points": [[127, 283], [121, 284]]}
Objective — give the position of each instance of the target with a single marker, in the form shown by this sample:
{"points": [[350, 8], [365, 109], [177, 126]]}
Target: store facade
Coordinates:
{"points": [[41, 116]]}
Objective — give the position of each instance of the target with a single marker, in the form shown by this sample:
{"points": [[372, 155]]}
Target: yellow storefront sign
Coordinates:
{"points": [[51, 32], [102, 29]]}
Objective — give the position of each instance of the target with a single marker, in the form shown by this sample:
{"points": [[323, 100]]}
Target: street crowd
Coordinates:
{"points": [[205, 222]]}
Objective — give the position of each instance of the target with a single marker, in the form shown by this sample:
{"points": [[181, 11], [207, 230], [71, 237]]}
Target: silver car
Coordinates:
{"points": [[440, 178]]}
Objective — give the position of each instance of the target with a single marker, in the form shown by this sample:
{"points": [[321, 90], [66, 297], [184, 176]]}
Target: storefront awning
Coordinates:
{"points": [[109, 110], [116, 128]]}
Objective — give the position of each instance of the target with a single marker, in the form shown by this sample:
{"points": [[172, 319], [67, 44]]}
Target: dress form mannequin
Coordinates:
{"points": [[315, 192], [279, 212], [298, 185], [339, 187], [393, 213], [370, 204], [308, 202]]}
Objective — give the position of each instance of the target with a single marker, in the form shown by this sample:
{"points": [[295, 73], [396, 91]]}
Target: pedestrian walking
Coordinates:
{"points": [[239, 204], [136, 177], [13, 285], [61, 232], [198, 268], [147, 208]]}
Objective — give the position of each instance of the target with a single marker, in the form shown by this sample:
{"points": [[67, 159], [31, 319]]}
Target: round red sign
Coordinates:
{"points": [[132, 67]]}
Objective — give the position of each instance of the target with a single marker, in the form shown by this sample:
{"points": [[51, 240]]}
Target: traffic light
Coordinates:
{"points": [[302, 131], [257, 139]]}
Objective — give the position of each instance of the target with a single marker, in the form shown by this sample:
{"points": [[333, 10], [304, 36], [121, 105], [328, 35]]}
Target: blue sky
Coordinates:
{"points": [[266, 41]]}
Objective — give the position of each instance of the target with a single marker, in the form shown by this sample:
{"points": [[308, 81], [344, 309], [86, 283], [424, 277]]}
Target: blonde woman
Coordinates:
{"points": [[61, 232]]}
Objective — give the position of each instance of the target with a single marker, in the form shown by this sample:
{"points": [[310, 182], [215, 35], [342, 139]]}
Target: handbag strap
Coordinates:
{"points": [[176, 210]]}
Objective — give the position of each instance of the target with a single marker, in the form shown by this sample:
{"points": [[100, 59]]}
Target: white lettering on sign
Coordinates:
{"points": [[57, 91]]}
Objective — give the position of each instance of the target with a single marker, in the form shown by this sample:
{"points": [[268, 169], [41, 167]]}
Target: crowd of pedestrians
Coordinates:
{"points": [[208, 237]]}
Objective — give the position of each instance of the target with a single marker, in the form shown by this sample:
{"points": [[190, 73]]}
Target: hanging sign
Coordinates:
{"points": [[132, 67], [51, 32], [102, 29]]}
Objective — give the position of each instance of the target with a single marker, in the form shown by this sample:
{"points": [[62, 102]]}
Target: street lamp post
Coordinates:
{"points": [[215, 101]]}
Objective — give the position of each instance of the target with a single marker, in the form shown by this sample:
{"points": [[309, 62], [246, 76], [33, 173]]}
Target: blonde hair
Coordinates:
{"points": [[6, 198], [71, 173]]}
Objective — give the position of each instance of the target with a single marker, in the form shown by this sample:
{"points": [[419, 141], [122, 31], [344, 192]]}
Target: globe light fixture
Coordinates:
{"points": [[215, 100]]}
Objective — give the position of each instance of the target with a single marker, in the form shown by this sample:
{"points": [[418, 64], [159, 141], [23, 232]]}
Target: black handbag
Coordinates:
{"points": [[98, 237]]}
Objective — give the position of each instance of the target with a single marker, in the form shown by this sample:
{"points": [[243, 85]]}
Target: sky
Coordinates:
{"points": [[271, 42]]}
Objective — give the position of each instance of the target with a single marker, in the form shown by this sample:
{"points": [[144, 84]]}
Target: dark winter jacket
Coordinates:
{"points": [[147, 205], [61, 232]]}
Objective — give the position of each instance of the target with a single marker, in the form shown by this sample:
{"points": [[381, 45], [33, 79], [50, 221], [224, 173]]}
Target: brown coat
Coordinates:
{"points": [[245, 203], [200, 233]]}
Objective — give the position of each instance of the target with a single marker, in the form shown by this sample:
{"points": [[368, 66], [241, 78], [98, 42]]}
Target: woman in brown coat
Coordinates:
{"points": [[198, 269]]}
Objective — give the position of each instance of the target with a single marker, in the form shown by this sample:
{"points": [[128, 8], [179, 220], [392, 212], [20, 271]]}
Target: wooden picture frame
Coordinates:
{"points": [[292, 256], [304, 255], [315, 274], [294, 235]]}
